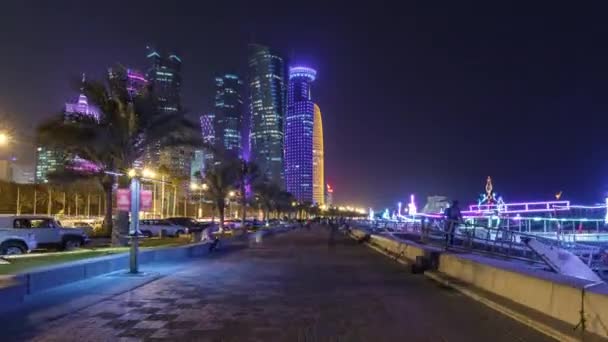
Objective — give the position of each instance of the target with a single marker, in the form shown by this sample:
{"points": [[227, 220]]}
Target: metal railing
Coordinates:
{"points": [[496, 242]]}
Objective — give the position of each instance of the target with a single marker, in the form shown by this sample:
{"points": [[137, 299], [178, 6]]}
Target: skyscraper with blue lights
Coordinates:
{"points": [[299, 125], [228, 114], [267, 99]]}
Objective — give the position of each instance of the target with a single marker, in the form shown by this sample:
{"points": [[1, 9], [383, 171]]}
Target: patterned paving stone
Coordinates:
{"points": [[292, 287]]}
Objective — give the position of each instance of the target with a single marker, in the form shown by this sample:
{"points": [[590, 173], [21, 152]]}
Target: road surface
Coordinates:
{"points": [[291, 287]]}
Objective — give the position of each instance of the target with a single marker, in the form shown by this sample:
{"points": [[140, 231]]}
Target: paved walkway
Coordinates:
{"points": [[292, 287]]}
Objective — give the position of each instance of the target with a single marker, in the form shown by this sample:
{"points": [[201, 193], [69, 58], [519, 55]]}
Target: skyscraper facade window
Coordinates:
{"points": [[228, 114], [267, 89], [299, 126], [48, 161], [318, 161]]}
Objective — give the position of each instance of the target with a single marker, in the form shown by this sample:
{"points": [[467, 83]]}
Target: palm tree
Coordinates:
{"points": [[247, 175], [126, 127], [220, 180], [284, 201], [267, 194]]}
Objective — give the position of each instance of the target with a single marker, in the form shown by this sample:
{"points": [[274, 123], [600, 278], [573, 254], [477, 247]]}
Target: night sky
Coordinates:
{"points": [[422, 97]]}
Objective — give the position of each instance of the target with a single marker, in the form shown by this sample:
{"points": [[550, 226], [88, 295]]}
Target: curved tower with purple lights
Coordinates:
{"points": [[299, 125]]}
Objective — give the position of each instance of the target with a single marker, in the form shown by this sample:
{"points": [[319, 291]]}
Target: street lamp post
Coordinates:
{"points": [[134, 224], [200, 188], [134, 232]]}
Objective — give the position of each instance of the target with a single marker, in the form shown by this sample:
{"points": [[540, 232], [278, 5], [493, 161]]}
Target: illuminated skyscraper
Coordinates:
{"points": [[51, 160], [164, 76], [228, 113], [48, 161], [267, 100], [299, 124], [135, 81], [318, 162], [329, 195], [208, 134]]}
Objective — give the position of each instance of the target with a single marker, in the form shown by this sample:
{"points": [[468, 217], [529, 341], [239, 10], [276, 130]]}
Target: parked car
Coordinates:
{"points": [[151, 228], [47, 231], [190, 223], [14, 241], [86, 227]]}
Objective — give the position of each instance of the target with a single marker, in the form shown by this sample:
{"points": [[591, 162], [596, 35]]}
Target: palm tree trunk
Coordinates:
{"points": [[108, 225]]}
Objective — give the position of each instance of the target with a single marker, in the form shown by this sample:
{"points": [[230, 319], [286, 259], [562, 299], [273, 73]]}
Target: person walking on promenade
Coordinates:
{"points": [[453, 217]]}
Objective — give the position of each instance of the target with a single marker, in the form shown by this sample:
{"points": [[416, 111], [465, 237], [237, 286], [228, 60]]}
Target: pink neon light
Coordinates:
{"points": [[515, 211], [137, 77]]}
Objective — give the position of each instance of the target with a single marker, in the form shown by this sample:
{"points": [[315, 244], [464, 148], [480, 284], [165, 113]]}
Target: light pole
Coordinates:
{"points": [[134, 232], [135, 188], [231, 195], [200, 188]]}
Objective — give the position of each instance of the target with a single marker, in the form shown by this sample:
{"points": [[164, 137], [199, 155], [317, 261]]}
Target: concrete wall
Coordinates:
{"points": [[552, 294], [402, 250], [407, 251]]}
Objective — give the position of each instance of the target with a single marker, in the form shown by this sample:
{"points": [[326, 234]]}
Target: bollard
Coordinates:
{"points": [[197, 235]]}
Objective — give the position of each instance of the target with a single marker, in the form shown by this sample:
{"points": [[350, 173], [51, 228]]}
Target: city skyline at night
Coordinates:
{"points": [[500, 84]]}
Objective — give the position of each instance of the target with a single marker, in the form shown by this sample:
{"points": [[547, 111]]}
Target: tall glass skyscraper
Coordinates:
{"points": [[208, 134], [299, 124], [267, 100], [228, 114], [318, 160], [164, 76]]}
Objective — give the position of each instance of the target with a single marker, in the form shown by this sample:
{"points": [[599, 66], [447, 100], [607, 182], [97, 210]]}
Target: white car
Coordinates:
{"points": [[16, 242], [47, 231], [151, 228]]}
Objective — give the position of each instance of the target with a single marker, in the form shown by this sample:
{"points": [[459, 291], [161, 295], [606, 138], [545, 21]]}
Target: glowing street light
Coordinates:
{"points": [[4, 138], [147, 173]]}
